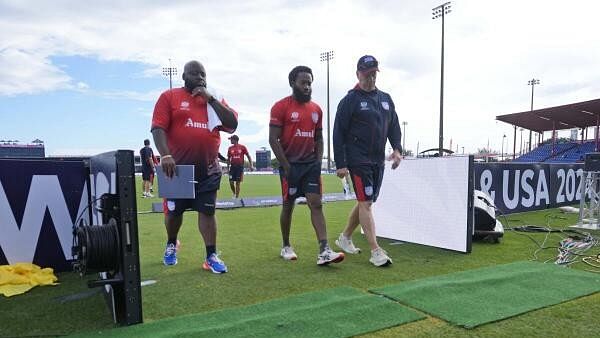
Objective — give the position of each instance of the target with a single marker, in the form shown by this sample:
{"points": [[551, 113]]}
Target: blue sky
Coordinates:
{"points": [[84, 77]]}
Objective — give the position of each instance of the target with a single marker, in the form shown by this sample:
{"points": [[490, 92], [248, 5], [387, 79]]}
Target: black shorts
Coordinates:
{"points": [[236, 173], [303, 178], [366, 180], [147, 174], [205, 201]]}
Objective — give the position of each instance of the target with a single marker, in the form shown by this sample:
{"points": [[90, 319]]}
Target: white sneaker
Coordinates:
{"points": [[329, 256], [144, 195], [380, 258], [288, 253], [346, 244], [149, 195]]}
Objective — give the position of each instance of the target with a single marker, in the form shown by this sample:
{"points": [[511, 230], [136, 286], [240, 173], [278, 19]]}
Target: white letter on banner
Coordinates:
{"points": [[510, 203], [527, 188], [485, 182], [542, 189], [101, 187], [45, 193], [570, 185]]}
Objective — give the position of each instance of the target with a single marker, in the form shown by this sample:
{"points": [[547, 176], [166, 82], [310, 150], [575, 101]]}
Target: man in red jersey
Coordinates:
{"points": [[185, 126], [296, 137], [235, 158]]}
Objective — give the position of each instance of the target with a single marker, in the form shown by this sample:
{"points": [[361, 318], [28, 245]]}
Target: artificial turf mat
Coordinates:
{"points": [[474, 297], [339, 312]]}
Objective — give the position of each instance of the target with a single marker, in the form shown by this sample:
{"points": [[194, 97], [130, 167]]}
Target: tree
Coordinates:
{"points": [[274, 163]]}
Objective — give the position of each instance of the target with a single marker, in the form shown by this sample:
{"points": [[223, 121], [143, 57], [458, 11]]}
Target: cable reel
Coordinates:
{"points": [[96, 248]]}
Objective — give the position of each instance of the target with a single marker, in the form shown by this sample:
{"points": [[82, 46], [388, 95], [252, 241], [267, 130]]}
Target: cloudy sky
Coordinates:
{"points": [[83, 76]]}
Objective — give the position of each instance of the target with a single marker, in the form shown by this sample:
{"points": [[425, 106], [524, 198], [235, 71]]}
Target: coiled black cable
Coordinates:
{"points": [[98, 247]]}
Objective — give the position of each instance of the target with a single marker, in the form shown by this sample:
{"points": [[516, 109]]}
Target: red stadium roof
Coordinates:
{"points": [[574, 115]]}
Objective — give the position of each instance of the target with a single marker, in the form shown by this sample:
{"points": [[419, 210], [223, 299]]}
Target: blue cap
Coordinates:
{"points": [[366, 63]]}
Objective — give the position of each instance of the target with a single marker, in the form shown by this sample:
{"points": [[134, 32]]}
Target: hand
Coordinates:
{"points": [[342, 172], [202, 92], [396, 158], [168, 166]]}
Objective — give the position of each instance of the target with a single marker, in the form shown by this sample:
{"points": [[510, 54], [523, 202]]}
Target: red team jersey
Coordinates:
{"points": [[298, 122], [236, 153], [185, 120]]}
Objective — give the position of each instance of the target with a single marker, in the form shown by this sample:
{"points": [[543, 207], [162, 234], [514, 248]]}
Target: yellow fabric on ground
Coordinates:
{"points": [[19, 278]]}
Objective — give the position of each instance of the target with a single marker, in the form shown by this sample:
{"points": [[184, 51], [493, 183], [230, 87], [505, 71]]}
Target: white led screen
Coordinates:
{"points": [[427, 201]]}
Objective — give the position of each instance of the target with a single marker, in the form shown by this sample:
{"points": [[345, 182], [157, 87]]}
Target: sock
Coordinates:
{"points": [[323, 245], [286, 242], [172, 241], [210, 249]]}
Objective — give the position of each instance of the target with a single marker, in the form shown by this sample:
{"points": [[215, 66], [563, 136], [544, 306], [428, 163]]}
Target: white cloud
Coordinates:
{"points": [[38, 76], [82, 86]]}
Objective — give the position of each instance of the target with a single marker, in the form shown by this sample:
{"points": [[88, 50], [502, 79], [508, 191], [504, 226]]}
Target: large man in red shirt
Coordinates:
{"points": [[235, 159], [296, 137], [185, 126]]}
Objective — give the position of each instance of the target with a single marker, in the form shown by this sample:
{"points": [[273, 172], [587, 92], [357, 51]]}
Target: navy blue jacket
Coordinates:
{"points": [[363, 123]]}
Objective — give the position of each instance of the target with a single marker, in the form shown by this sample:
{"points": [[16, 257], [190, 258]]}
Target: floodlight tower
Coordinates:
{"points": [[327, 56], [441, 11], [532, 83], [170, 72]]}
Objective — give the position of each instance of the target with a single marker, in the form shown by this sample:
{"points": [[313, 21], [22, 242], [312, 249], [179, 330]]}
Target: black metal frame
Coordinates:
{"points": [[122, 288]]}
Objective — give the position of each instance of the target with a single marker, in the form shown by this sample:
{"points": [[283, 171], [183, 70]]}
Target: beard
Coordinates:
{"points": [[190, 85], [300, 96]]}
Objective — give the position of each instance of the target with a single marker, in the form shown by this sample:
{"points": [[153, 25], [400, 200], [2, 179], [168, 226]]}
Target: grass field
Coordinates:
{"points": [[249, 240]]}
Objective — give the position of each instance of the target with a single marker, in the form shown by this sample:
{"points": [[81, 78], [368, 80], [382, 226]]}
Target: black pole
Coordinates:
{"points": [[514, 141], [441, 141], [533, 85], [404, 138]]}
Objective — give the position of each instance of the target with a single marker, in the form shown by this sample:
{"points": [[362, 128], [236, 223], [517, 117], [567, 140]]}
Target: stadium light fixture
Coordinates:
{"points": [[441, 11], [170, 72], [326, 57]]}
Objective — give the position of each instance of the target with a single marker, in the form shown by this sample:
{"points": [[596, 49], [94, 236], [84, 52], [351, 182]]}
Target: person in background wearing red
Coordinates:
{"points": [[235, 159]]}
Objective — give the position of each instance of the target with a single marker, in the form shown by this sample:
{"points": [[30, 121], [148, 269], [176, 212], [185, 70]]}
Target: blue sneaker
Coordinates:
{"points": [[214, 264], [170, 257]]}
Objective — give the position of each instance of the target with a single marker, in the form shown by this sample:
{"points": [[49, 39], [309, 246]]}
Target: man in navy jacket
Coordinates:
{"points": [[366, 118]]}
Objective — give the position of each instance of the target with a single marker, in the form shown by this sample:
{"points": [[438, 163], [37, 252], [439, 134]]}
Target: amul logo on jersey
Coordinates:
{"points": [[193, 124], [300, 133]]}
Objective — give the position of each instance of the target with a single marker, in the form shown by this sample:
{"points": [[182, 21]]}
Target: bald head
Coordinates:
{"points": [[194, 75]]}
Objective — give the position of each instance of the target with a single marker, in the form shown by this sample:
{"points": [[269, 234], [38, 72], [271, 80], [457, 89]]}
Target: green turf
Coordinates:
{"points": [[322, 313], [249, 240], [475, 297], [253, 185]]}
